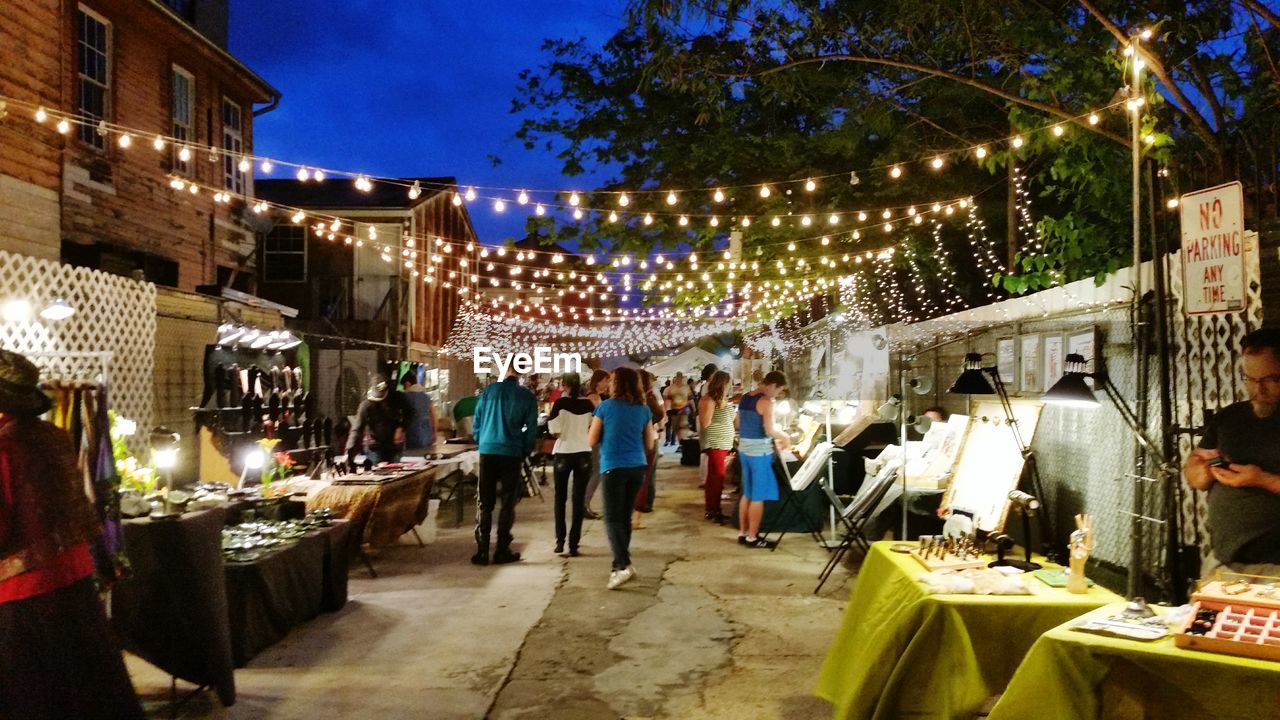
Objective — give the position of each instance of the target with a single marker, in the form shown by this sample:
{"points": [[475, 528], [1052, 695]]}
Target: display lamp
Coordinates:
{"points": [[972, 381], [1072, 390], [890, 409], [59, 309], [253, 462], [16, 311]]}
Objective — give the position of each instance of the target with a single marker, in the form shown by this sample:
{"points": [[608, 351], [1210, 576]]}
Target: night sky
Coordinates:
{"points": [[410, 88]]}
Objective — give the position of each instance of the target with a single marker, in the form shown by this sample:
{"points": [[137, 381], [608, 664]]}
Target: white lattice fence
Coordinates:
{"points": [[1206, 368], [114, 315]]}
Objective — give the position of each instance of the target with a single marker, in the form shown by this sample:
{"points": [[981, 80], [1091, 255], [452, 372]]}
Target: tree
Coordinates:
{"points": [[735, 93]]}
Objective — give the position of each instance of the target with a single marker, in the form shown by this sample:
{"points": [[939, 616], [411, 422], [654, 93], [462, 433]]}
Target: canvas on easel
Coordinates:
{"points": [[990, 463]]}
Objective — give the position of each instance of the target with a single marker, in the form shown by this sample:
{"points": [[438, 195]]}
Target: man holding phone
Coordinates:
{"points": [[1238, 464]]}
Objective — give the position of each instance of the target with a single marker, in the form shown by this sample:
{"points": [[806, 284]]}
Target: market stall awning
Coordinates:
{"points": [[689, 362]]}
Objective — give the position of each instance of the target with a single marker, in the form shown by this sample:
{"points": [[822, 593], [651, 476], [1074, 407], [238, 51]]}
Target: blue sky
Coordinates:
{"points": [[411, 87]]}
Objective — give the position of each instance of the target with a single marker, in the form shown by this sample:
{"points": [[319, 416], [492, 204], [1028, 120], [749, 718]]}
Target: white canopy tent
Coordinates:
{"points": [[690, 362]]}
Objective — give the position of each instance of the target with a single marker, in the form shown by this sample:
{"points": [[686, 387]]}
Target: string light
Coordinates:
{"points": [[718, 195], [895, 172], [765, 191]]}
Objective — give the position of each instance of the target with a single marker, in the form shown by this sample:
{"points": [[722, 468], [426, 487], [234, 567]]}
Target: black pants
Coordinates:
{"points": [[621, 485], [672, 415], [57, 659], [500, 478], [579, 466]]}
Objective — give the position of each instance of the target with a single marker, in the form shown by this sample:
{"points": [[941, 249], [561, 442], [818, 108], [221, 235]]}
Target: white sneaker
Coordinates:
{"points": [[620, 577]]}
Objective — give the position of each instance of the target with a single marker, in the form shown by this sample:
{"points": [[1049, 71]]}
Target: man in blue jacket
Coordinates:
{"points": [[506, 423]]}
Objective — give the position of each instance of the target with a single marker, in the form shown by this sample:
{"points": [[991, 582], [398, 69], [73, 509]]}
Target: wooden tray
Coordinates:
{"points": [[949, 561], [1241, 629]]}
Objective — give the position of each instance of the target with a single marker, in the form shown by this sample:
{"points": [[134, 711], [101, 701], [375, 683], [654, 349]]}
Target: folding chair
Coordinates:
{"points": [[854, 518], [815, 464]]}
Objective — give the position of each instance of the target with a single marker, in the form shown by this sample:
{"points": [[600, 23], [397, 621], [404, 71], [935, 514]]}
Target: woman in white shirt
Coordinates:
{"points": [[569, 422]]}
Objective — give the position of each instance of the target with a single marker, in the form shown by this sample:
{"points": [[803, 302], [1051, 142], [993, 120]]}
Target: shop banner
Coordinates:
{"points": [[1213, 250]]}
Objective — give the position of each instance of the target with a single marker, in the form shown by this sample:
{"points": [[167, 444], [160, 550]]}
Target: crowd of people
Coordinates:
{"points": [[607, 436]]}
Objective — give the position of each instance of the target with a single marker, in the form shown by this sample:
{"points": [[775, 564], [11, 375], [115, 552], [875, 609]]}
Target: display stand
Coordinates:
{"points": [[792, 492]]}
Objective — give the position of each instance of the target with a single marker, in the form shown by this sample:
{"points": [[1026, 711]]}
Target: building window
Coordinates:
{"points": [[232, 148], [185, 8], [183, 112], [94, 83], [284, 254]]}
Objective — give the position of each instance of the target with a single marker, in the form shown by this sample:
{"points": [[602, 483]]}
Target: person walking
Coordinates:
{"points": [[570, 421], [716, 417], [755, 456], [622, 428], [506, 423], [57, 656], [597, 392], [420, 426], [649, 490]]}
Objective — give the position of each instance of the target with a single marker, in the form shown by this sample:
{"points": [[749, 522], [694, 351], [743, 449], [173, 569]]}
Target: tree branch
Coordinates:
{"points": [[1206, 89], [1264, 11], [940, 73], [1181, 104]]}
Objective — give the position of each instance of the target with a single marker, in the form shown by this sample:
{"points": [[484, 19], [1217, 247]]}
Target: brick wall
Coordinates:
{"points": [[116, 197]]}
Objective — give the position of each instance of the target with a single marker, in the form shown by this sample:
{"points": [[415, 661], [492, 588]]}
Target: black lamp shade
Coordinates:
{"points": [[1072, 390], [972, 381]]}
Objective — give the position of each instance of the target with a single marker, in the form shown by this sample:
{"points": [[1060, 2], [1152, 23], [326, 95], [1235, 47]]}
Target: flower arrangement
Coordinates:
{"points": [[276, 465], [134, 476]]}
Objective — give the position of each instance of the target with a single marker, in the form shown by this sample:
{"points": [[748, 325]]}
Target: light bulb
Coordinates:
{"points": [[718, 196], [158, 143], [415, 191], [981, 152], [715, 221], [886, 214], [765, 191], [1017, 141], [577, 213], [834, 219], [244, 165], [862, 217], [936, 162], [539, 210], [574, 199], [41, 114], [746, 222], [303, 174], [64, 127], [318, 175], [125, 141], [888, 227], [613, 217], [1149, 139], [499, 206], [895, 172], [523, 198], [1093, 118], [791, 247], [672, 199], [623, 200], [806, 221], [470, 195], [457, 200], [184, 154], [1172, 203], [298, 217], [810, 185], [1058, 130], [776, 221], [684, 221], [648, 219], [826, 240], [266, 167]]}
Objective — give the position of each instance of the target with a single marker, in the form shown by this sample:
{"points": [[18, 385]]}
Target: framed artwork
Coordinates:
{"points": [[1031, 370], [1085, 342], [1053, 348], [1007, 360]]}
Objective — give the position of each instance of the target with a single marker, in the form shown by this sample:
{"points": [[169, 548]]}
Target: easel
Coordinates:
{"points": [[792, 493]]}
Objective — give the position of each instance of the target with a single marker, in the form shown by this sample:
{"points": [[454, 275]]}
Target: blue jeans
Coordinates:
{"points": [[621, 485]]}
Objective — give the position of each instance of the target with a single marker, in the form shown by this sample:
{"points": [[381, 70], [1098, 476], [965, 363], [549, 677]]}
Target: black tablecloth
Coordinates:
{"points": [[189, 613], [172, 612], [285, 588]]}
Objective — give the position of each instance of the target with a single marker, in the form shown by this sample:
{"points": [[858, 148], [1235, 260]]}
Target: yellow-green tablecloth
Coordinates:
{"points": [[903, 653], [1070, 675]]}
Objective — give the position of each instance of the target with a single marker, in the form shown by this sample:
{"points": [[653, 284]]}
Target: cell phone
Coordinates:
{"points": [[1218, 461]]}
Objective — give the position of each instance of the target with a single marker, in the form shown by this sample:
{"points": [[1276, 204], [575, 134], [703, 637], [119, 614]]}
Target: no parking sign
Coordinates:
{"points": [[1213, 250]]}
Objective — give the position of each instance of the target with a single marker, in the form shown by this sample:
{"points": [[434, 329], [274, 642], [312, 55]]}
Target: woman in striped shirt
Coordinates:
{"points": [[717, 419]]}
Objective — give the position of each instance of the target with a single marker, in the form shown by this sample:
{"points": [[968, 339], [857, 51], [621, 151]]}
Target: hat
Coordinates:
{"points": [[377, 391], [20, 386]]}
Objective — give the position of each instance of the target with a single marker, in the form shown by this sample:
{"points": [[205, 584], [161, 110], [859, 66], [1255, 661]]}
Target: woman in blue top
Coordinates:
{"points": [[622, 428], [756, 438]]}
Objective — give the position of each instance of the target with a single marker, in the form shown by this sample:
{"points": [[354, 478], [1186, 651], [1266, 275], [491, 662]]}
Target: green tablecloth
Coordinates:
{"points": [[903, 653], [1070, 675]]}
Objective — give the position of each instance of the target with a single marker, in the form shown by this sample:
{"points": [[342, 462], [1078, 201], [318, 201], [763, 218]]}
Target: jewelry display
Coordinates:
{"points": [[1237, 616]]}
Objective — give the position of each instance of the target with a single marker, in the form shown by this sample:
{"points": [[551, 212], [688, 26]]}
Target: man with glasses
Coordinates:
{"points": [[1238, 463]]}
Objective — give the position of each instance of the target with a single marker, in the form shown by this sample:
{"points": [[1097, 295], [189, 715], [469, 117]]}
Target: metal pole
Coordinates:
{"points": [[902, 419], [831, 456], [1139, 490]]}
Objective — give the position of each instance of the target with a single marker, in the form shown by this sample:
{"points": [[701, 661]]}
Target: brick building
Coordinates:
{"points": [[371, 307], [81, 197]]}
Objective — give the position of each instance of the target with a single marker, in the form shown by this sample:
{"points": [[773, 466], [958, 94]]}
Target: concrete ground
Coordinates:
{"points": [[709, 629]]}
